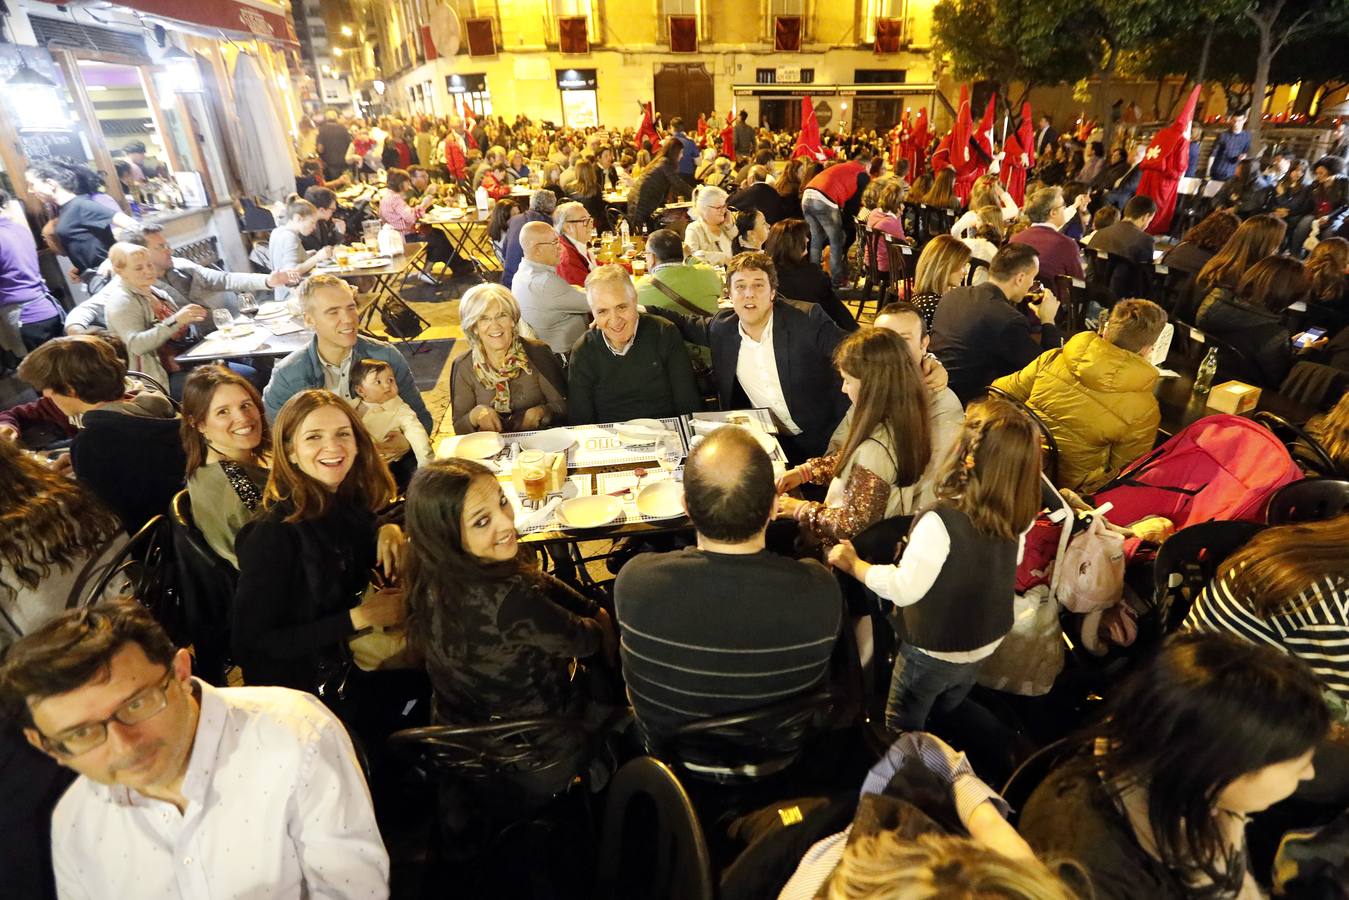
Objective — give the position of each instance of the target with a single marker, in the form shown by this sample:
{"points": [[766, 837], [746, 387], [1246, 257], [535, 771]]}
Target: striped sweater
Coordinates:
{"points": [[1317, 633]]}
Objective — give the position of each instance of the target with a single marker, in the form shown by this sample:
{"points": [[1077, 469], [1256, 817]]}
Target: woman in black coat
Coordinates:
{"points": [[800, 279], [654, 185]]}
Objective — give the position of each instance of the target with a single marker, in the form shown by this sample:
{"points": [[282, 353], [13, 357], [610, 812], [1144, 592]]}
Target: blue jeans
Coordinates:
{"points": [[826, 227], [922, 683]]}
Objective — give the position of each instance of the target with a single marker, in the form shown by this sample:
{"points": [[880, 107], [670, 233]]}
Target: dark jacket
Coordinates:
{"points": [[1186, 256], [763, 197], [1126, 239], [1247, 197], [297, 585], [804, 338], [650, 192], [1297, 201], [129, 453], [808, 282], [979, 336], [302, 369], [1258, 334]]}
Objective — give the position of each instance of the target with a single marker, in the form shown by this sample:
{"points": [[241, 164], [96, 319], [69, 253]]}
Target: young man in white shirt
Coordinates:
{"points": [[187, 790]]}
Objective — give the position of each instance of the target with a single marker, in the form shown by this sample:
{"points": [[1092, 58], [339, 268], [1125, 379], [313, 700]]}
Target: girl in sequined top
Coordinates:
{"points": [[885, 452]]}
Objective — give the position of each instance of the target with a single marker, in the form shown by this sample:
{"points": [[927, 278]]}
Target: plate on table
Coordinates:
{"points": [[553, 440], [478, 445], [661, 500], [639, 432], [273, 309], [589, 512], [233, 331], [702, 428], [374, 262]]}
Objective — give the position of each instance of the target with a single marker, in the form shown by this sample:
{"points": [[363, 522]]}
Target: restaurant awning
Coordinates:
{"points": [[261, 19]]}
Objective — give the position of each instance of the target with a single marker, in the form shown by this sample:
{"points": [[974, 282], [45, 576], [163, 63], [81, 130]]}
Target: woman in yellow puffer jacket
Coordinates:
{"points": [[1096, 395]]}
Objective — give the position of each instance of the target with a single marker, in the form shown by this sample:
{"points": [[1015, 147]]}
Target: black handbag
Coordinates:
{"points": [[401, 320]]}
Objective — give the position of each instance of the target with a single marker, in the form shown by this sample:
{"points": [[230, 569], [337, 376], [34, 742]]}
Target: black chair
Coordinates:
{"points": [[652, 845], [744, 746], [1186, 562], [1305, 449], [975, 265], [938, 221], [1195, 343], [1111, 277], [902, 263], [1171, 287], [1309, 500], [875, 283], [153, 384], [207, 583], [1074, 295], [1033, 771], [1048, 444], [145, 566], [494, 751], [613, 218]]}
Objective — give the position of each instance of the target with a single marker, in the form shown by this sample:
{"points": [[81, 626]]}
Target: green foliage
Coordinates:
{"points": [[1002, 40]]}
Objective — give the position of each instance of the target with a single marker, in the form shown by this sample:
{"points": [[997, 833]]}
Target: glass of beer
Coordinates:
{"points": [[342, 255], [535, 479]]}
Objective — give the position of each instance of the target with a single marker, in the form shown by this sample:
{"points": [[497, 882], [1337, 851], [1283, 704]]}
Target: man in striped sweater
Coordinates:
{"points": [[726, 626]]}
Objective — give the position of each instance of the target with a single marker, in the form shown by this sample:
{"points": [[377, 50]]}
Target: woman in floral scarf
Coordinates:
{"points": [[506, 382]]}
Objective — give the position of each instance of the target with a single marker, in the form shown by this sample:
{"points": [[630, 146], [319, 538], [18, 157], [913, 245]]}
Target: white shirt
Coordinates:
{"points": [[276, 807], [337, 378], [756, 368], [395, 415]]}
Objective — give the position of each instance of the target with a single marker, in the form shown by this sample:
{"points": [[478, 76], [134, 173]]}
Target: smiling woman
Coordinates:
{"points": [[305, 561]]}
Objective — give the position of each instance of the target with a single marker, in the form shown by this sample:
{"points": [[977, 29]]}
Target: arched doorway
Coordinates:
{"points": [[683, 89]]}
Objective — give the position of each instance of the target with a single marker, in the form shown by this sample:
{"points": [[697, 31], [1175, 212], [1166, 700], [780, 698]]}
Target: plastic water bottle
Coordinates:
{"points": [[626, 233], [1203, 379]]}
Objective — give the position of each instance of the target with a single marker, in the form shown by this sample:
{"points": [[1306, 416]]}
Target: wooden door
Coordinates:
{"points": [[683, 89]]}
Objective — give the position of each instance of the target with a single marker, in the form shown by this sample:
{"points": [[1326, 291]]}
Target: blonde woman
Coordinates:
{"points": [[152, 327], [506, 382], [710, 234], [941, 266]]}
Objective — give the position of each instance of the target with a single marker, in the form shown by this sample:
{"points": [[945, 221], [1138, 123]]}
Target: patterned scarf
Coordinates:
{"points": [[161, 308], [498, 381]]}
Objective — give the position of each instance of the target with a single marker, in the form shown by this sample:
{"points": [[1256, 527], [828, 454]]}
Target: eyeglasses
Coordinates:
{"points": [[586, 221], [82, 738]]}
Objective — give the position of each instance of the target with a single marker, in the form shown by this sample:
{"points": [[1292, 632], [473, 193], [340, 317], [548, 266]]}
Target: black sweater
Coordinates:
{"points": [[807, 281], [297, 585], [655, 378], [131, 458]]}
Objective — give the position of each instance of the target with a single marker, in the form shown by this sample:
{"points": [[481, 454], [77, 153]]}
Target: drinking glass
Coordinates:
{"points": [[223, 320], [248, 304], [669, 452]]}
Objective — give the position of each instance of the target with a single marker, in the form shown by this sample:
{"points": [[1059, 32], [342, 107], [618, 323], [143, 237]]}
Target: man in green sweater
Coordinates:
{"points": [[688, 288], [628, 365]]}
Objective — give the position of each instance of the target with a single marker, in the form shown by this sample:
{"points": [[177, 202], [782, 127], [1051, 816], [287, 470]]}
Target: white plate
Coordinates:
{"points": [[478, 445], [554, 440], [661, 500], [589, 512], [640, 431], [270, 311], [374, 263], [765, 440], [234, 331]]}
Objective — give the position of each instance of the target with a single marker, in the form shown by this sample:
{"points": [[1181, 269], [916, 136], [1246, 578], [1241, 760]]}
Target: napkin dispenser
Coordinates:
{"points": [[554, 464], [1235, 397]]}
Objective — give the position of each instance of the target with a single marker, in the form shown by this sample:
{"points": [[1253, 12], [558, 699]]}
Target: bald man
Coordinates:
{"points": [[725, 626], [556, 310]]}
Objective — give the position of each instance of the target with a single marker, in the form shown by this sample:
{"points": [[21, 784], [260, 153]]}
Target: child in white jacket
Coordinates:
{"points": [[383, 411]]}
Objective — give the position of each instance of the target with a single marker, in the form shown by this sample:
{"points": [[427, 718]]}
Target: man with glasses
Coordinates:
{"points": [[1058, 253], [556, 310], [187, 789], [575, 227]]}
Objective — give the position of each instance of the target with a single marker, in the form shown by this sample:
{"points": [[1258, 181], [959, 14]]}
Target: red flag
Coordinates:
{"points": [[808, 140], [960, 133], [469, 117], [647, 128], [1164, 164]]}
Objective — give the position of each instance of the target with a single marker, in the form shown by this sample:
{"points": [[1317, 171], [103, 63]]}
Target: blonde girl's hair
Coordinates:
{"points": [[890, 866], [993, 472]]}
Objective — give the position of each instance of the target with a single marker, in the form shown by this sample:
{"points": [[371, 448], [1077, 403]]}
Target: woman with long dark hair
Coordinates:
{"points": [[788, 245], [1251, 317], [306, 559], [655, 183], [53, 531], [875, 474], [1156, 800], [498, 636], [228, 448]]}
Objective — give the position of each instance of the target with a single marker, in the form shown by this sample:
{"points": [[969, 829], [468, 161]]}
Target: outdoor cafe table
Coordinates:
{"points": [[599, 463], [466, 232], [271, 337], [1180, 406], [384, 279]]}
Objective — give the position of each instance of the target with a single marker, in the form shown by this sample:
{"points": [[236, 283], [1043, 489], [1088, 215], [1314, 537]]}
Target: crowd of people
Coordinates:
{"points": [[372, 587]]}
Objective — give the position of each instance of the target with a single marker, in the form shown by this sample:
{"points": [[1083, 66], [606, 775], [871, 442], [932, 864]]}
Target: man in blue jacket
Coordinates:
{"points": [[688, 160], [330, 309]]}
